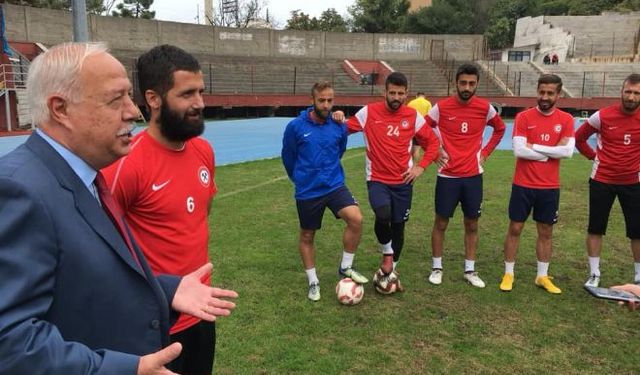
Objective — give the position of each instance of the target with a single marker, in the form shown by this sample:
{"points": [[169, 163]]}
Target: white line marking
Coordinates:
{"points": [[277, 179]]}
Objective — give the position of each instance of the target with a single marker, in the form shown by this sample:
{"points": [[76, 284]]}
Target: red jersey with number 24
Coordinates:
{"points": [[461, 127], [387, 136]]}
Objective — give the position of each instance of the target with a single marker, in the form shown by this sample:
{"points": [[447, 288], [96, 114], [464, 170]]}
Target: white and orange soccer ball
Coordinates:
{"points": [[349, 292], [386, 284]]}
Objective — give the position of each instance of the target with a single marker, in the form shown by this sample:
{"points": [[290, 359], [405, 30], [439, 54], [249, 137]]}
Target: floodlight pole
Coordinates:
{"points": [[80, 31]]}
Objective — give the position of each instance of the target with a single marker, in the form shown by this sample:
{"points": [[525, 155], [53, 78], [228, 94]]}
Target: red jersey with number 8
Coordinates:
{"points": [[461, 127]]}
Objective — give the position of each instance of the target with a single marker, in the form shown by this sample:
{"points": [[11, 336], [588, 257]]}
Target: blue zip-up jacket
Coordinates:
{"points": [[311, 155]]}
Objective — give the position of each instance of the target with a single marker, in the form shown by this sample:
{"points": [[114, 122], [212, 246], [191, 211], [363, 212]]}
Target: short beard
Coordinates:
{"points": [[633, 106], [176, 128], [322, 114], [471, 94], [551, 105], [394, 104]]}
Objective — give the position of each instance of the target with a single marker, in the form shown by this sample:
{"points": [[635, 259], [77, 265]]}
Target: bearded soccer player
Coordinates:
{"points": [[615, 173], [388, 129], [312, 147], [166, 186], [541, 137], [460, 121]]}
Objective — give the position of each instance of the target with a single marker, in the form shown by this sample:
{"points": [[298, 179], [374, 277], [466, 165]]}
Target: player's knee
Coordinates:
{"points": [[440, 223], [471, 225], [356, 220], [306, 236], [383, 214], [545, 231], [515, 229]]}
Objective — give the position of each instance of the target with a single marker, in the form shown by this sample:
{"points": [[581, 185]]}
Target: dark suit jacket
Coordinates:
{"points": [[72, 298]]}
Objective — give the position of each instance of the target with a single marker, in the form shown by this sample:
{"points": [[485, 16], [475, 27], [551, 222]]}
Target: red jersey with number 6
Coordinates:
{"points": [[545, 130], [165, 195], [387, 136], [616, 159], [461, 127]]}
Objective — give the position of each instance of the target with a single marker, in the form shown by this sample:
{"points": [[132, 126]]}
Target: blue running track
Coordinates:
{"points": [[237, 141]]}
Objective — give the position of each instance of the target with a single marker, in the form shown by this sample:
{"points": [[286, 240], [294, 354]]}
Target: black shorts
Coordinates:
{"points": [[311, 211], [198, 349], [466, 190], [544, 203], [601, 197], [396, 197]]}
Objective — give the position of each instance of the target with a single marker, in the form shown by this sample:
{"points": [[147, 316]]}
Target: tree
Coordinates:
{"points": [[134, 9], [331, 20], [450, 17], [302, 21], [379, 16], [242, 16], [628, 6], [590, 7], [502, 20]]}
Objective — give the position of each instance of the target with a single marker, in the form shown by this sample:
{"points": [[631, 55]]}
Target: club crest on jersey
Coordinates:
{"points": [[405, 124], [557, 128], [204, 176]]}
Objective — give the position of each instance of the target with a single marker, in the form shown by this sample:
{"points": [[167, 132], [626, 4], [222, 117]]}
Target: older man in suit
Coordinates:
{"points": [[76, 294]]}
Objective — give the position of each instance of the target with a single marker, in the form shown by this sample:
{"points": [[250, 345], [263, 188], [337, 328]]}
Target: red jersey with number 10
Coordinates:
{"points": [[617, 158], [165, 195], [387, 136], [461, 127], [545, 130]]}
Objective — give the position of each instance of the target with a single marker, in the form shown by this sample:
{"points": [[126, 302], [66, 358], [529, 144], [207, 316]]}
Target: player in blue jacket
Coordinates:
{"points": [[311, 150]]}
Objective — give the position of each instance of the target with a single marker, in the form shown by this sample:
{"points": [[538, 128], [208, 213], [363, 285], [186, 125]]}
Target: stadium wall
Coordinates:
{"points": [[26, 24]]}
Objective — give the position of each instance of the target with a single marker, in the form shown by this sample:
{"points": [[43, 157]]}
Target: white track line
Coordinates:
{"points": [[232, 193]]}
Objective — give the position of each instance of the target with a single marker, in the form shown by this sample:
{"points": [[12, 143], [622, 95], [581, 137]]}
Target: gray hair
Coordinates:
{"points": [[58, 71]]}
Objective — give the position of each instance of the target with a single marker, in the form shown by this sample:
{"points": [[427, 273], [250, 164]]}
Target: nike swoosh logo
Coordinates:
{"points": [[613, 127], [451, 118], [155, 187], [531, 127], [306, 135]]}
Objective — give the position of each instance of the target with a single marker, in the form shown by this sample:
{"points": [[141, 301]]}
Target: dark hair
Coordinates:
{"points": [[420, 93], [156, 68], [467, 69], [320, 86], [396, 78], [551, 79], [633, 78]]}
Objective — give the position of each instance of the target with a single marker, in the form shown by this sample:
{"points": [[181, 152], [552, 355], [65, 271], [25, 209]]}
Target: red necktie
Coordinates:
{"points": [[114, 212]]}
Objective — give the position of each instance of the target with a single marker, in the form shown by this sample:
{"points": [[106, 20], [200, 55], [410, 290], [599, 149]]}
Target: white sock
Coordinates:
{"points": [[594, 266], [437, 263], [394, 265], [347, 260], [543, 268], [508, 267], [386, 248], [469, 265], [311, 275], [637, 267]]}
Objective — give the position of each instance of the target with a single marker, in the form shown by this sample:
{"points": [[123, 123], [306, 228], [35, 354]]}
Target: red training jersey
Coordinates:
{"points": [[165, 195], [387, 136], [616, 159], [461, 128], [546, 130]]}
